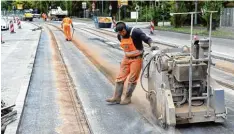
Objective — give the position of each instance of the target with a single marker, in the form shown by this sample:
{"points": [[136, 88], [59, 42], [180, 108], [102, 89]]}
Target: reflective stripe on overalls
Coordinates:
{"points": [[130, 66]]}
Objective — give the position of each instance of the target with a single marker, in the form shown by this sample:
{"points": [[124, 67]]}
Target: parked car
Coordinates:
{"points": [[37, 16], [4, 24]]}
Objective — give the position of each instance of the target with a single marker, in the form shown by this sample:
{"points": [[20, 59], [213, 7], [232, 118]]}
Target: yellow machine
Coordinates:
{"points": [[28, 15]]}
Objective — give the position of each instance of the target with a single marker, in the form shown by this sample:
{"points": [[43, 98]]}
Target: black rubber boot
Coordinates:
{"points": [[117, 94], [127, 98]]}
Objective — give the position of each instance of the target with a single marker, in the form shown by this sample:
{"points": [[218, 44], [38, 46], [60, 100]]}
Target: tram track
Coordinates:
{"points": [[111, 78], [67, 83]]}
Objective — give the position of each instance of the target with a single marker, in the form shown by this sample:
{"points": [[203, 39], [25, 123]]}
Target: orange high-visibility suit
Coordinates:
{"points": [[45, 17], [66, 24], [42, 15], [131, 65]]}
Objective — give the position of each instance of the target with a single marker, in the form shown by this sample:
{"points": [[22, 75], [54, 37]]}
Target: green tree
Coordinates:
{"points": [[6, 5], [212, 6], [26, 4], [178, 7]]}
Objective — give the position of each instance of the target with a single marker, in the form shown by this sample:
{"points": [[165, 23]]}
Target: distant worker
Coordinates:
{"points": [[44, 16], [131, 42], [66, 27]]}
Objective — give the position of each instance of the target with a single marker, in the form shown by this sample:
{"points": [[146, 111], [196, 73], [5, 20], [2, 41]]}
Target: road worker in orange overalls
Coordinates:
{"points": [[66, 27], [42, 15], [45, 17], [131, 42]]}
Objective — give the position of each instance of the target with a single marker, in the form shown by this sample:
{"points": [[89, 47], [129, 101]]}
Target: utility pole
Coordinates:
{"points": [[221, 16], [102, 7], [146, 12], [163, 14], [119, 14], [195, 20]]}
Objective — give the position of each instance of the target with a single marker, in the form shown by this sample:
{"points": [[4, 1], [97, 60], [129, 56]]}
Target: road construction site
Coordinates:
{"points": [[60, 86]]}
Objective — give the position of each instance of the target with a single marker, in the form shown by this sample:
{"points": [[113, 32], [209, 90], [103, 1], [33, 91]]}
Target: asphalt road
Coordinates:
{"points": [[113, 57], [93, 88]]}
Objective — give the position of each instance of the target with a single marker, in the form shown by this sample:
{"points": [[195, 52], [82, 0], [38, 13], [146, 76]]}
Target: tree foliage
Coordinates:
{"points": [[156, 10], [212, 6], [178, 7]]}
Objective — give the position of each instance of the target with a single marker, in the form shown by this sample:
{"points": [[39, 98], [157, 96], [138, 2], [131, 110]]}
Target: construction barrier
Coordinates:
{"points": [[18, 23], [2, 40], [152, 27], [12, 30]]}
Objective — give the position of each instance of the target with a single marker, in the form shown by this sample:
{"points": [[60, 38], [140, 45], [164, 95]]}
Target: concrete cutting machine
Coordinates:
{"points": [[179, 85]]}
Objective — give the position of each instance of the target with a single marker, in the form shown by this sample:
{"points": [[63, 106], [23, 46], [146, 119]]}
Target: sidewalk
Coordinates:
{"points": [[17, 60]]}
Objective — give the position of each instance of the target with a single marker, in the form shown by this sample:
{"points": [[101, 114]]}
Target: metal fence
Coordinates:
{"points": [[227, 17]]}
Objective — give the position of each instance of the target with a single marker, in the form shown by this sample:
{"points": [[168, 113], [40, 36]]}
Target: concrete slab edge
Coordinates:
{"points": [[226, 83], [214, 55], [198, 34], [12, 128], [221, 81]]}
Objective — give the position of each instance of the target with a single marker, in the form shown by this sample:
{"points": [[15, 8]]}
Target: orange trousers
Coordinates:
{"points": [[131, 68], [67, 31]]}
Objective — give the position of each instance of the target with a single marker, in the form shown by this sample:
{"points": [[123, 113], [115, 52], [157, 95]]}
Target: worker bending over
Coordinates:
{"points": [[66, 25], [131, 42]]}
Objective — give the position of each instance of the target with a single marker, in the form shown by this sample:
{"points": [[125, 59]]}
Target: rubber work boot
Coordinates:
{"points": [[127, 98], [117, 94]]}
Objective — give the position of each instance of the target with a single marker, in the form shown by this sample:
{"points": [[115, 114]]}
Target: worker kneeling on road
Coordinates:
{"points": [[131, 42], [66, 27]]}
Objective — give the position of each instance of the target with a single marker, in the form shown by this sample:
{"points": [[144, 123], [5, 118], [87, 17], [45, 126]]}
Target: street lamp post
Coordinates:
{"points": [[119, 10], [163, 14], [195, 21], [93, 7], [102, 7], [84, 7], [137, 9], [110, 8]]}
